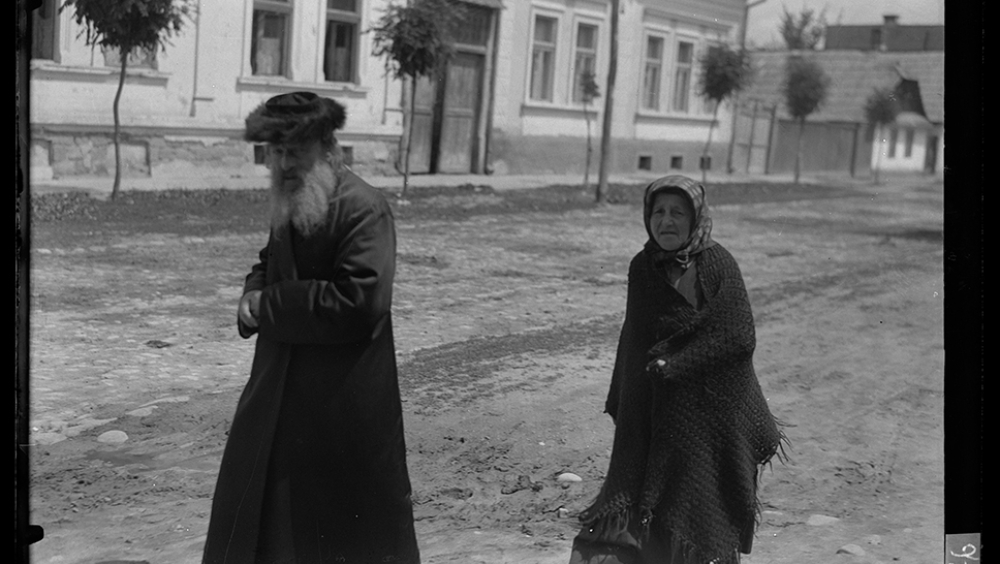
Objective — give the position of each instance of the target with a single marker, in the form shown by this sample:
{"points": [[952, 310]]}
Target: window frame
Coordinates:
{"points": [[287, 9], [662, 78], [594, 53], [675, 69], [555, 51], [909, 134], [52, 8], [328, 15]]}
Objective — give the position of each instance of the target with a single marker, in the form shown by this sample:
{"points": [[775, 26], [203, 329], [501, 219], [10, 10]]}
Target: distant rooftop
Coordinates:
{"points": [[854, 75], [887, 36]]}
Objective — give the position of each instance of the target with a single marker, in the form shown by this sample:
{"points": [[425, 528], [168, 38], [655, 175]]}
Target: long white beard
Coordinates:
{"points": [[305, 207]]}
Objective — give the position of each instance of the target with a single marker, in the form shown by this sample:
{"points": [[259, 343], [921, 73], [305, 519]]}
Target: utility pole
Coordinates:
{"points": [[736, 96]]}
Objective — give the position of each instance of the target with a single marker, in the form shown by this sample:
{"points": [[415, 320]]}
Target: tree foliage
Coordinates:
{"points": [[805, 90], [881, 109], [416, 38], [127, 25], [882, 106], [725, 71], [804, 31], [806, 86]]}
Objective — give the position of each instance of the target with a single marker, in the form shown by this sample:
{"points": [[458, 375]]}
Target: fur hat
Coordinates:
{"points": [[296, 117]]}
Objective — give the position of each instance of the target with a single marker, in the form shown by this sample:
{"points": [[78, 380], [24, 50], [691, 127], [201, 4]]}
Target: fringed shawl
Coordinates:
{"points": [[693, 430]]}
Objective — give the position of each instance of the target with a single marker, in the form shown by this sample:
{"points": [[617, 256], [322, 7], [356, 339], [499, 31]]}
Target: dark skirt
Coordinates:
{"points": [[603, 543]]}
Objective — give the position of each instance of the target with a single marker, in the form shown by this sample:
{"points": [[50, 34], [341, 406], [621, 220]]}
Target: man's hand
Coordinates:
{"points": [[249, 310]]}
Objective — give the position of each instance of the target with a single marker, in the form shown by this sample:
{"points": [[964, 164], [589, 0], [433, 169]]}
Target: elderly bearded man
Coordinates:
{"points": [[315, 465]]}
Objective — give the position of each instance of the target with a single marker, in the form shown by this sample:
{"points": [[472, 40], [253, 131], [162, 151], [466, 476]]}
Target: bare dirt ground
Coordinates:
{"points": [[507, 311]]}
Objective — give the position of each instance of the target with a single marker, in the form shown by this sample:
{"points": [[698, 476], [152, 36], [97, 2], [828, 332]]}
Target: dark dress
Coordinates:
{"points": [[691, 435], [314, 469]]}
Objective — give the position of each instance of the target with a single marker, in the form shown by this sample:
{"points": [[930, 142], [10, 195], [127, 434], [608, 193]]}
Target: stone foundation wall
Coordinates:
{"points": [[567, 155], [61, 155]]}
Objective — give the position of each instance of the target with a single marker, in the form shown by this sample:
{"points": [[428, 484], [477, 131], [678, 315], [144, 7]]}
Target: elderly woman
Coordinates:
{"points": [[692, 428]]}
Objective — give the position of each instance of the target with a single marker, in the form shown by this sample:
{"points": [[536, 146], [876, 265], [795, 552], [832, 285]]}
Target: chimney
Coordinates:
{"points": [[889, 21]]}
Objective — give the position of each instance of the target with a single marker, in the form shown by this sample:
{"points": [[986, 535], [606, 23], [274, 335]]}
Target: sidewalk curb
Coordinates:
{"points": [[100, 187]]}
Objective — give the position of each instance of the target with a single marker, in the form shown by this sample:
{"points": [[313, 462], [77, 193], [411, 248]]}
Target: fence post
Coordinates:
{"points": [[854, 148], [770, 139], [753, 126]]}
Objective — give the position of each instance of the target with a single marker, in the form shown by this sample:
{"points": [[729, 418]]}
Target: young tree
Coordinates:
{"points": [[602, 172], [724, 72], [416, 41], [881, 109], [590, 91], [803, 32], [127, 26], [805, 91]]}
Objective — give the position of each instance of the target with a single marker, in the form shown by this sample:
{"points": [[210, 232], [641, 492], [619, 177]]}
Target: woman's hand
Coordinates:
{"points": [[657, 366], [249, 309]]}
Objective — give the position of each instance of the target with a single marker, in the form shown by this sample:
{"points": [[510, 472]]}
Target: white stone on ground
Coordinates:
{"points": [[851, 549], [819, 520], [112, 437]]}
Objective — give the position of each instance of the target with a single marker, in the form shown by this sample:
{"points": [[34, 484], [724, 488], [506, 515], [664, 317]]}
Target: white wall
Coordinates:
{"points": [[206, 68], [697, 22]]}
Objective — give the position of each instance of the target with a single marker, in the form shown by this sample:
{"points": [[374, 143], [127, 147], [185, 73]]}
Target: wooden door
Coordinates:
{"points": [[422, 141], [460, 113]]}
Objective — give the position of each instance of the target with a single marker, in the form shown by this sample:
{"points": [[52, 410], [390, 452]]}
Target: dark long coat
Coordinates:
{"points": [[314, 469]]}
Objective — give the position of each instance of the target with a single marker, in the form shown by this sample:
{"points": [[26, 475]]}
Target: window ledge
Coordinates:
{"points": [[552, 107], [282, 84], [650, 115], [41, 67]]}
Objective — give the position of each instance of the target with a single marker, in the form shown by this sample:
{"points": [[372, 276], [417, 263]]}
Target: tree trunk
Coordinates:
{"points": [[798, 150], [409, 135], [117, 131], [878, 152], [609, 96], [586, 168], [704, 154]]}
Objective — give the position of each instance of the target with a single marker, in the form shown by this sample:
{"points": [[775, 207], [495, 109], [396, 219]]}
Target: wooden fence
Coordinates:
{"points": [[765, 143]]}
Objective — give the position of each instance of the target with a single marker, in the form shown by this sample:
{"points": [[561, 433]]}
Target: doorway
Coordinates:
{"points": [[449, 129]]}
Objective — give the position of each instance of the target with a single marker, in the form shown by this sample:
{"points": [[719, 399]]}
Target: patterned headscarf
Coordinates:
{"points": [[701, 224]]}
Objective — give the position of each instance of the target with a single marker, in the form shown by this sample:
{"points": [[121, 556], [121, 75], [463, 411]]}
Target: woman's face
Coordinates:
{"points": [[670, 220]]}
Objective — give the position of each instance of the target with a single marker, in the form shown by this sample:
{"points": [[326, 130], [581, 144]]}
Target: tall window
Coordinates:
{"points": [[339, 51], [43, 30], [893, 139], [475, 28], [908, 147], [269, 37], [543, 56], [585, 60], [682, 76], [652, 71]]}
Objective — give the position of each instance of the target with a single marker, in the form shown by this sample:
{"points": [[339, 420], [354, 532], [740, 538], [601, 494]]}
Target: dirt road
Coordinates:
{"points": [[506, 326]]}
